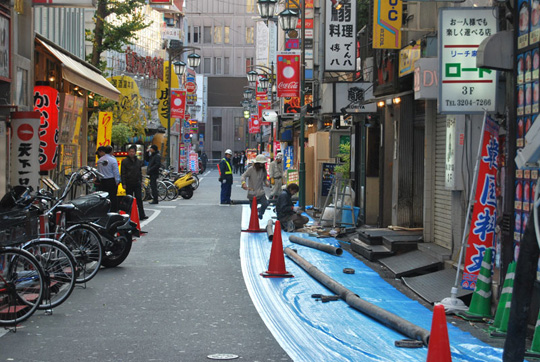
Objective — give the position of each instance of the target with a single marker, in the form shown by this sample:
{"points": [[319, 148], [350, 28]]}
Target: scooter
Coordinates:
{"points": [[185, 185]]}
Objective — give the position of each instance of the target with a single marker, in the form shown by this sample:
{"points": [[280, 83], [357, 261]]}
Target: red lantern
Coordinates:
{"points": [[47, 102]]}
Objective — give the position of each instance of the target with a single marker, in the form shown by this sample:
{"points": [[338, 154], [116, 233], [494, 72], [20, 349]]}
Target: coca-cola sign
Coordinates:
{"points": [[288, 74]]}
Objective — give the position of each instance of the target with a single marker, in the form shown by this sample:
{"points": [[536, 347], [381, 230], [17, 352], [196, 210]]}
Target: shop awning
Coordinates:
{"points": [[77, 72]]}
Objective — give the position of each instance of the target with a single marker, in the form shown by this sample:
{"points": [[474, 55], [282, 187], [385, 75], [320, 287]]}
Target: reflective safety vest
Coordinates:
{"points": [[229, 172]]}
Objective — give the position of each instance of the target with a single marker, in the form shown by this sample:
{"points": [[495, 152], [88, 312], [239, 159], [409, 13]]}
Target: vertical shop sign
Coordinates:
{"points": [[254, 124], [464, 87], [261, 106], [387, 15], [288, 74], [194, 162], [25, 149], [482, 229], [340, 40], [104, 132], [162, 93], [178, 103], [47, 103]]}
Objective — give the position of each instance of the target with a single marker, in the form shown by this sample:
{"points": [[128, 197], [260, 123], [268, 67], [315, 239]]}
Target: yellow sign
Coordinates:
{"points": [[162, 93], [387, 16], [407, 57], [104, 131], [130, 96]]}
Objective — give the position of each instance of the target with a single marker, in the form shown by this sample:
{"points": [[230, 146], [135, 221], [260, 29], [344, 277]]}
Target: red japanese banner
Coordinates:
{"points": [[47, 103], [288, 74], [254, 124], [260, 92], [482, 228], [178, 103], [261, 106]]}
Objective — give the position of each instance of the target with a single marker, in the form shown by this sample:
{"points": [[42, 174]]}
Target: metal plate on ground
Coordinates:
{"points": [[410, 263], [222, 356], [434, 287]]}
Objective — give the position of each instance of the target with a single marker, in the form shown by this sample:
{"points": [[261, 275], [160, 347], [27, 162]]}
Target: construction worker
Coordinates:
{"points": [[226, 178], [256, 179], [276, 174]]}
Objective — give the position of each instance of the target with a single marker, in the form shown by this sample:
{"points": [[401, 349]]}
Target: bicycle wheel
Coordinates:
{"points": [[59, 267], [84, 242], [21, 285], [143, 193], [172, 191], [162, 190]]}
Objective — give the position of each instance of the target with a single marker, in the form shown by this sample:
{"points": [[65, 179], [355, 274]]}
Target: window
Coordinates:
{"points": [[226, 31], [226, 65], [250, 6], [207, 65], [217, 66], [216, 128], [218, 34], [249, 64], [207, 34], [250, 35], [238, 128], [196, 34]]}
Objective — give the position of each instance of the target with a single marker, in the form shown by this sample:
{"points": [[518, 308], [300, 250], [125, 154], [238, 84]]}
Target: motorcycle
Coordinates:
{"points": [[185, 185], [116, 230]]}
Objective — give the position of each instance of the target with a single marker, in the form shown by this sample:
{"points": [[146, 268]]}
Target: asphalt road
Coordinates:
{"points": [[180, 296]]}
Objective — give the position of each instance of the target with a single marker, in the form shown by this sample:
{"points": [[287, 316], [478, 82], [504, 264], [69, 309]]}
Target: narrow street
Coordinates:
{"points": [[179, 296]]}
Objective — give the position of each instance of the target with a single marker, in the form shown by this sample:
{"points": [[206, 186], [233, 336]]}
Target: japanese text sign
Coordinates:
{"points": [[162, 93], [482, 227], [340, 40], [47, 103], [25, 149], [464, 87], [178, 103], [387, 15], [288, 74], [104, 131]]}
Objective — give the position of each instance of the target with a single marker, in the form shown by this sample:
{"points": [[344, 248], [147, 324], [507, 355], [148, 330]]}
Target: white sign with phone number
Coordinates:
{"points": [[464, 87]]}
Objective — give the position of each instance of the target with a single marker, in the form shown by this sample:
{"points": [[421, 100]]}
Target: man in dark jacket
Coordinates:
{"points": [[288, 217], [131, 175], [226, 178], [154, 164]]}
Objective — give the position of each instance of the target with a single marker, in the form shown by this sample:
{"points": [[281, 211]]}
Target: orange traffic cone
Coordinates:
{"points": [[134, 215], [439, 344], [276, 266], [254, 219]]}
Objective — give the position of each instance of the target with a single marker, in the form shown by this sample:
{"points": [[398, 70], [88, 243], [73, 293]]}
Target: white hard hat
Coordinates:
{"points": [[228, 152], [260, 159], [279, 155]]}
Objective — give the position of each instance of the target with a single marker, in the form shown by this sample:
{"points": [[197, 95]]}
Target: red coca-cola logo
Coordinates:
{"points": [[288, 85], [25, 132]]}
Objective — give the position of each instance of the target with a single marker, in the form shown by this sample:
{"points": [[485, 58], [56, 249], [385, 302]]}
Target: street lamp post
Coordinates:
{"points": [[179, 68]]}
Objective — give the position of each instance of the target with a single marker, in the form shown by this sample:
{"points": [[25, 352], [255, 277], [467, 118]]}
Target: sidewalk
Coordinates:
{"points": [[309, 330]]}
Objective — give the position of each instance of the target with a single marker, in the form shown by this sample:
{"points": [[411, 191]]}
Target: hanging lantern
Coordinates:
{"points": [[47, 103]]}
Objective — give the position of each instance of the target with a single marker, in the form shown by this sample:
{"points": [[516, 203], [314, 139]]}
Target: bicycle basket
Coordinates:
{"points": [[16, 228]]}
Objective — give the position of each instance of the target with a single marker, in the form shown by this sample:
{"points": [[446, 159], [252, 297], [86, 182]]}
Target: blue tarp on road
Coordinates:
{"points": [[309, 330]]}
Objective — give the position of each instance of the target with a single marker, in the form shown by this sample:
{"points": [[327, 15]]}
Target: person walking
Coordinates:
{"points": [[236, 163], [154, 164], [256, 178], [226, 178], [276, 176], [107, 165], [204, 160], [131, 175], [242, 163], [287, 214]]}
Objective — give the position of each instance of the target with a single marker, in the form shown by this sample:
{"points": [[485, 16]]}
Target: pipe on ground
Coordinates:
{"points": [[388, 319], [270, 229], [313, 244]]}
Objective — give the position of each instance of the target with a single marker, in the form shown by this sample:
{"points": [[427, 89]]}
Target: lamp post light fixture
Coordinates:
{"points": [[252, 77], [266, 8], [194, 60], [248, 95], [288, 19]]}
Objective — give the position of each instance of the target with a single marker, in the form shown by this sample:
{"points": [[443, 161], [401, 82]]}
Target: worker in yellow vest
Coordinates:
{"points": [[226, 178]]}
